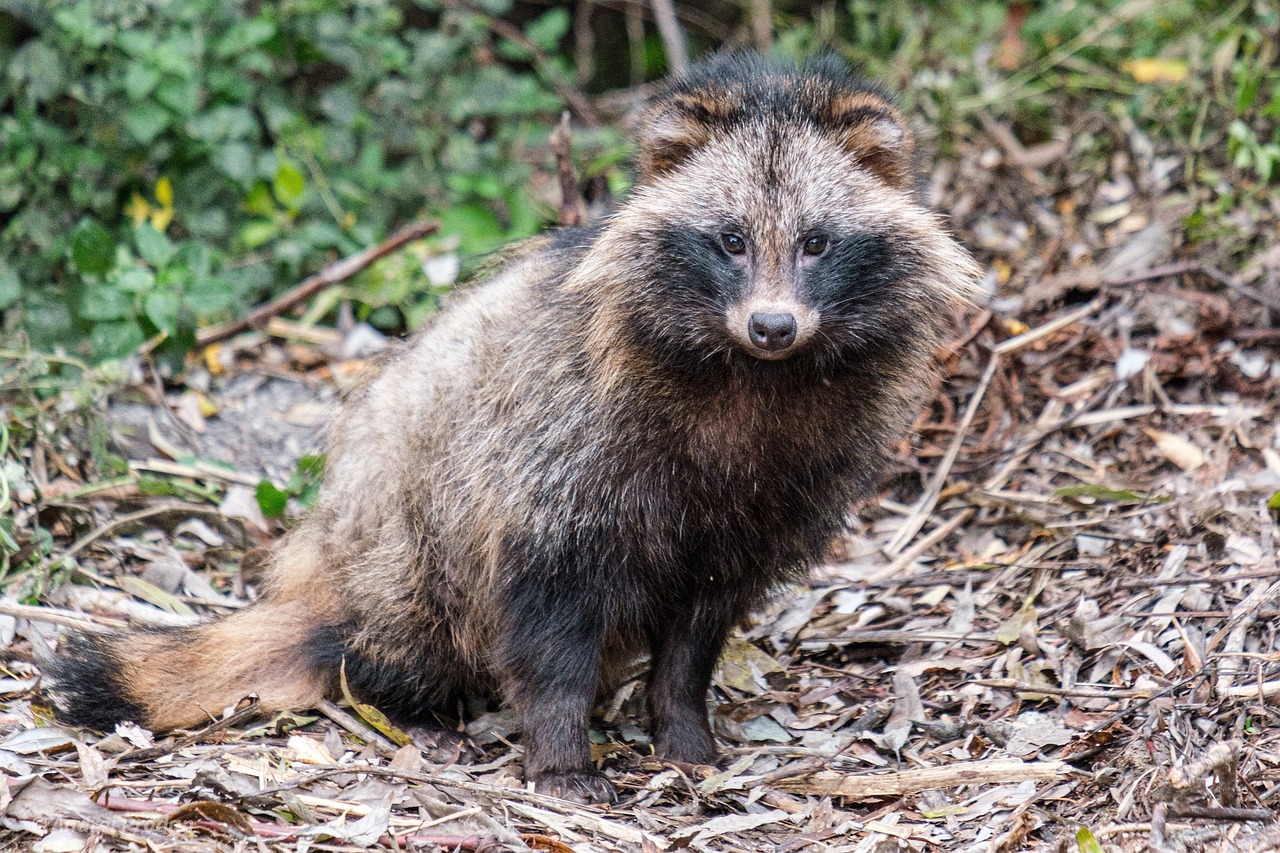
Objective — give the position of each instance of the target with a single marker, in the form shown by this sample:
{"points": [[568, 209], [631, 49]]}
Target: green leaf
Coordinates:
{"points": [[155, 248], [271, 500], [258, 231], [162, 309], [476, 226], [1101, 493], [146, 122], [136, 280], [140, 81], [259, 202], [289, 184], [180, 95], [547, 30], [209, 296], [92, 250], [113, 340], [235, 160], [10, 286], [153, 594], [101, 301], [1273, 505], [39, 69], [1086, 842]]}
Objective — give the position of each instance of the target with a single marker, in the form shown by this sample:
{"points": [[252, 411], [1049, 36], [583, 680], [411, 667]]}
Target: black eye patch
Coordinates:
{"points": [[858, 266]]}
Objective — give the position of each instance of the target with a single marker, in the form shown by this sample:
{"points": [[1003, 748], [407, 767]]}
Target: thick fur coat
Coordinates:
{"points": [[617, 445]]}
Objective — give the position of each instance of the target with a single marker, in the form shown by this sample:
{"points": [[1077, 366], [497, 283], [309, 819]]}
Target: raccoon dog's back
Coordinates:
{"points": [[618, 444]]}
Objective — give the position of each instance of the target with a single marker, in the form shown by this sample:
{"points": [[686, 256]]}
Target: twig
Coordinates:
{"points": [[198, 470], [672, 36], [121, 521], [381, 745], [584, 41], [1082, 692], [924, 507], [889, 637], [910, 555], [1187, 580], [873, 786], [570, 212], [762, 24], [327, 277], [634, 20], [569, 94], [246, 713], [66, 618]]}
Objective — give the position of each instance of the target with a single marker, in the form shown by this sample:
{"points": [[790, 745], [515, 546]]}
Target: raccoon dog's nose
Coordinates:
{"points": [[772, 332]]}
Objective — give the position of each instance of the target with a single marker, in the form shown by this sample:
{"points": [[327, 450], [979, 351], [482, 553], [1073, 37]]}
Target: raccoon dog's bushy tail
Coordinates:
{"points": [[167, 678]]}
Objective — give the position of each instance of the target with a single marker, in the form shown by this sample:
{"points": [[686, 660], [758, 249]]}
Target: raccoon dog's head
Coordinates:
{"points": [[777, 217]]}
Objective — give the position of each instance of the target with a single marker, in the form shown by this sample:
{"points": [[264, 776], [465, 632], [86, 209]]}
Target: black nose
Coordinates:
{"points": [[772, 332]]}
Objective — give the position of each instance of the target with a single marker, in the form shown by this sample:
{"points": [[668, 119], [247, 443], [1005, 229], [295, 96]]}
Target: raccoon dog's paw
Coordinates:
{"points": [[584, 786]]}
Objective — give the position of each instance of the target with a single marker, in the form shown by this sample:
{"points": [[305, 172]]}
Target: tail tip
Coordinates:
{"points": [[86, 686]]}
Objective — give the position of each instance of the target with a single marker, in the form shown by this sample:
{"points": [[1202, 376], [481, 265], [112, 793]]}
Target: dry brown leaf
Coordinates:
{"points": [[1179, 450], [93, 768]]}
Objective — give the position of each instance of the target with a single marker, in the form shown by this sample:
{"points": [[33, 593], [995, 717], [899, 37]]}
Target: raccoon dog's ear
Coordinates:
{"points": [[875, 132], [673, 128]]}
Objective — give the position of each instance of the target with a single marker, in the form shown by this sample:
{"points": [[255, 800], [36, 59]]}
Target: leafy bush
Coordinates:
{"points": [[169, 162]]}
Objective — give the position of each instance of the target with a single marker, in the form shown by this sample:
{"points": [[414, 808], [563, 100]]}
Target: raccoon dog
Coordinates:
{"points": [[619, 444]]}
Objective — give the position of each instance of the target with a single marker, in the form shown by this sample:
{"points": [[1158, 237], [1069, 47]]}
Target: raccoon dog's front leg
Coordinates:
{"points": [[551, 651], [684, 652]]}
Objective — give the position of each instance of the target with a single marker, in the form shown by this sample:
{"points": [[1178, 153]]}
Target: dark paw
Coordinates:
{"points": [[688, 745], [585, 786]]}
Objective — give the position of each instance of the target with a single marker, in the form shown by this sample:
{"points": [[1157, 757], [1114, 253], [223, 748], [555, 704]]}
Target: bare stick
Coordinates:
{"points": [[762, 24], [570, 212], [584, 39], [327, 277], [635, 41], [118, 522], [66, 618], [249, 712], [924, 507], [381, 744], [664, 14], [874, 786]]}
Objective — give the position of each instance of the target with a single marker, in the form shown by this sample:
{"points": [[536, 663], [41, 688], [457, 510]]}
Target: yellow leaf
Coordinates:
{"points": [[1003, 271], [161, 217], [137, 209], [1008, 633], [212, 362], [164, 192], [1157, 70], [371, 715], [207, 407], [741, 662]]}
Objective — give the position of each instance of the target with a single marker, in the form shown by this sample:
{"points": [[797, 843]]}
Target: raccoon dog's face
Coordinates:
{"points": [[779, 214]]}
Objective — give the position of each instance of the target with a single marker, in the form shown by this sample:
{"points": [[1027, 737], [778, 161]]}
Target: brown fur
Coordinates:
{"points": [[587, 458]]}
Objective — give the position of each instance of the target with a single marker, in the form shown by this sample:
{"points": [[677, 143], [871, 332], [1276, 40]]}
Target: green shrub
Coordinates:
{"points": [[169, 162]]}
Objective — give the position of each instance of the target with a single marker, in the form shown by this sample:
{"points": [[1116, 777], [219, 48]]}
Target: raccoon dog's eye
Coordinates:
{"points": [[816, 245], [734, 244]]}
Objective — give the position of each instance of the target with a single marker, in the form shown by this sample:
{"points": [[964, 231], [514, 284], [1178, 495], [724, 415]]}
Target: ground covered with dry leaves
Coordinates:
{"points": [[1054, 631]]}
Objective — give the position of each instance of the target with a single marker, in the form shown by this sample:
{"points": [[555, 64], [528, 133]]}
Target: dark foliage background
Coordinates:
{"points": [[166, 164]]}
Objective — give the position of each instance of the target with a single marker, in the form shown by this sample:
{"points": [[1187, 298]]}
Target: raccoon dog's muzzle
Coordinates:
{"points": [[772, 329]]}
